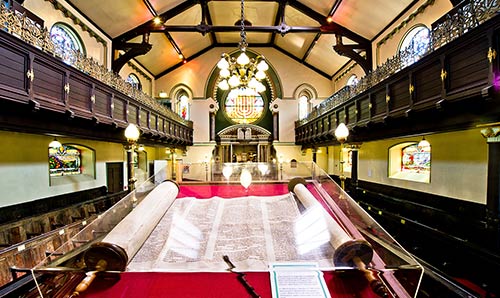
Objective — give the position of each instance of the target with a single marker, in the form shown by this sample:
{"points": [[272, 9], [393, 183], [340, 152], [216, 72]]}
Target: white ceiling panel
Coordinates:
{"points": [[323, 56], [227, 13], [161, 56], [112, 18], [162, 6], [296, 43], [368, 17], [321, 6], [191, 43], [191, 16]]}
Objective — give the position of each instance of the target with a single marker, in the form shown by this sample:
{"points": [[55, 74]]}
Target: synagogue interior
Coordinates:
{"points": [[195, 148]]}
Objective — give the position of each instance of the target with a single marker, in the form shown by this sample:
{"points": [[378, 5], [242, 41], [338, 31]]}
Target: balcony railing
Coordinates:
{"points": [[461, 19]]}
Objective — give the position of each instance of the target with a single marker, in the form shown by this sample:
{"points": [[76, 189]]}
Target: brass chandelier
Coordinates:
{"points": [[242, 71]]}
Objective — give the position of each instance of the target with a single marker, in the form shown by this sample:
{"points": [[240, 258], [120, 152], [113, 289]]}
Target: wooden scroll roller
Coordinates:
{"points": [[349, 252], [126, 238], [346, 248]]}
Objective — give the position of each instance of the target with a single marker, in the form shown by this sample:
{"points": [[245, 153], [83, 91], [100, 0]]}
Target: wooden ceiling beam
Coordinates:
{"points": [[325, 26], [146, 27]]}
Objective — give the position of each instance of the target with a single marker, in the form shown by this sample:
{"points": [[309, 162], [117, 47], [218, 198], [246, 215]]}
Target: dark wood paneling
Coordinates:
{"points": [[351, 113], [119, 112], [79, 96], [400, 94], [468, 66], [364, 107], [341, 116], [379, 105], [133, 114], [48, 84], [14, 66], [102, 105], [144, 118], [427, 81]]}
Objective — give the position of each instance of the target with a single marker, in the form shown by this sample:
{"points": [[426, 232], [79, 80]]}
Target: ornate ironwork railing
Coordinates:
{"points": [[460, 20], [21, 26]]}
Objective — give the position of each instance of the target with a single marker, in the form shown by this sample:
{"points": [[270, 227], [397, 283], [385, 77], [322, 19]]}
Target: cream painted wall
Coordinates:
{"points": [[201, 120], [50, 15], [25, 172], [459, 165]]}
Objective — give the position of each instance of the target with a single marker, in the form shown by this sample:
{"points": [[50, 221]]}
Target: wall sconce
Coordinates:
{"points": [[341, 133], [132, 134], [163, 94], [423, 143], [55, 144]]}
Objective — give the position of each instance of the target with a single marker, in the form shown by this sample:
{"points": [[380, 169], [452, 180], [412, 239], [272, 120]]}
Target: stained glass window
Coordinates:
{"points": [[416, 159], [133, 80], [415, 44], [410, 161], [183, 109], [352, 81], [244, 105], [65, 160], [303, 106], [67, 42]]}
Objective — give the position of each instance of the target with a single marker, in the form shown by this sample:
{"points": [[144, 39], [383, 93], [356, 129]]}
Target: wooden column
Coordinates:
{"points": [[355, 161], [492, 135]]}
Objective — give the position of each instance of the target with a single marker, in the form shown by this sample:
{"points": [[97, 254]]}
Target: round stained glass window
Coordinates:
{"points": [[244, 105]]}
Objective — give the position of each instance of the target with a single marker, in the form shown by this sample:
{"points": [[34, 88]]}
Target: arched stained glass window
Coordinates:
{"points": [[305, 95], [183, 102], [415, 44], [66, 42], [416, 159], [410, 161], [303, 106], [65, 160], [352, 81], [244, 105], [133, 80]]}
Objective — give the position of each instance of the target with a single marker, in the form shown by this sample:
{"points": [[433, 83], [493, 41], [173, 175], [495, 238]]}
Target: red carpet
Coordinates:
{"points": [[212, 285]]}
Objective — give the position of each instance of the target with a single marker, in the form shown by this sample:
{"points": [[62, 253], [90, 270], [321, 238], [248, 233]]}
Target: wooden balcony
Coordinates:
{"points": [[453, 87], [39, 93]]}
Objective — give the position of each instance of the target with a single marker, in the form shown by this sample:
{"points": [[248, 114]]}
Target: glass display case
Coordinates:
{"points": [[222, 230]]}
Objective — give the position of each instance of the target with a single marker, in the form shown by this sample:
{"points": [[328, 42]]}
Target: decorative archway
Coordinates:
{"points": [[244, 143]]}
